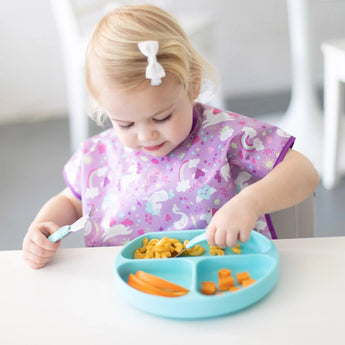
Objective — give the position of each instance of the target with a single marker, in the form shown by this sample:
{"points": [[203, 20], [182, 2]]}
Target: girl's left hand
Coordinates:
{"points": [[232, 223]]}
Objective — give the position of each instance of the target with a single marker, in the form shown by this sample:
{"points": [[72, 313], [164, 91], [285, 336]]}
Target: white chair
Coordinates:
{"points": [[73, 33], [334, 76], [296, 221], [75, 20]]}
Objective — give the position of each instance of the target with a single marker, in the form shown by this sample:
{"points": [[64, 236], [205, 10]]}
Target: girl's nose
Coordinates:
{"points": [[147, 134]]}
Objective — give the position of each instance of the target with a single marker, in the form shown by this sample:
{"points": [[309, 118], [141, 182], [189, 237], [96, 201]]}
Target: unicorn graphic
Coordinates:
{"points": [[115, 230], [225, 172], [242, 180], [130, 178], [154, 204], [182, 223], [213, 119], [183, 184], [282, 133]]}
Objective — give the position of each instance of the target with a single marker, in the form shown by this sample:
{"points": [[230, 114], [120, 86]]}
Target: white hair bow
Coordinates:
{"points": [[154, 69]]}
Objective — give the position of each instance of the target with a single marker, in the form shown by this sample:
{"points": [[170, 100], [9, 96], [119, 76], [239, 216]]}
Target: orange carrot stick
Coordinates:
{"points": [[159, 282], [150, 289]]}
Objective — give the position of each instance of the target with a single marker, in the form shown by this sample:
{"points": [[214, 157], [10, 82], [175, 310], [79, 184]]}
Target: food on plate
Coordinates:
{"points": [[197, 250], [242, 276], [155, 285], [237, 249], [226, 282], [214, 250], [224, 272], [165, 248], [208, 288], [171, 247], [158, 248], [248, 282]]}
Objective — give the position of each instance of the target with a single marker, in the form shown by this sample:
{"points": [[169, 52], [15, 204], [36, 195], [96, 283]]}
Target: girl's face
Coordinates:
{"points": [[154, 119]]}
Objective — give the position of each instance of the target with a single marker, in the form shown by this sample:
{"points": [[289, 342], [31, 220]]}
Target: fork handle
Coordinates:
{"points": [[59, 234], [196, 240]]}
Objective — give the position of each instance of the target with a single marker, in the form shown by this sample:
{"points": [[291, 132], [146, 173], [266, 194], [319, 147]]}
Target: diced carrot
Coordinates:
{"points": [[225, 283], [248, 282], [150, 289], [242, 276], [224, 272], [159, 282], [208, 288], [234, 288]]}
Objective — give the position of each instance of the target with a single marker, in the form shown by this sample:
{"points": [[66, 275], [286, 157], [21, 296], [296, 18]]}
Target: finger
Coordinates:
{"points": [[37, 251], [35, 256], [34, 264], [220, 238], [244, 236], [29, 255], [231, 239], [41, 241], [210, 235]]}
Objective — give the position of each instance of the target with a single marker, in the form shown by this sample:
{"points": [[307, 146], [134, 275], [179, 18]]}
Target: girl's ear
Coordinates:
{"points": [[195, 88]]}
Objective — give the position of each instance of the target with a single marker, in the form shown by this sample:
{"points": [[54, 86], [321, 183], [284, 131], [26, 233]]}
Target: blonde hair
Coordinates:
{"points": [[114, 47]]}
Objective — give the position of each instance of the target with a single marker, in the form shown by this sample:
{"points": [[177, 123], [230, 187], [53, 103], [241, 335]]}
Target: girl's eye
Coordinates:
{"points": [[163, 120], [125, 126]]}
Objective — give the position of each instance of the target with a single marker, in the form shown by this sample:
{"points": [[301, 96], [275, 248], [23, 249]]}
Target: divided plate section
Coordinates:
{"points": [[259, 258], [181, 272], [256, 244], [258, 266]]}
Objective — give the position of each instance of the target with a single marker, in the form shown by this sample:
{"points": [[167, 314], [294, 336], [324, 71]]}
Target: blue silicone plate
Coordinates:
{"points": [[259, 258]]}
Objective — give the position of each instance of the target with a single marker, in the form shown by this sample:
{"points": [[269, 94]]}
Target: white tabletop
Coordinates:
{"points": [[74, 301]]}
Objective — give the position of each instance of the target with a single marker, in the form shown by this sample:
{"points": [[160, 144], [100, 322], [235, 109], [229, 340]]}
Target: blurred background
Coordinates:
{"points": [[249, 43]]}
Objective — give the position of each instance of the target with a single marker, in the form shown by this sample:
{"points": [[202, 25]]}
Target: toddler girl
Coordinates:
{"points": [[169, 162]]}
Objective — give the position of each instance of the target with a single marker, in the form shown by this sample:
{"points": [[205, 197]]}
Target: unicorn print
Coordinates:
{"points": [[207, 216], [130, 178], [154, 204], [242, 180], [115, 230], [225, 133], [282, 133], [182, 223], [213, 119], [181, 190], [225, 172]]}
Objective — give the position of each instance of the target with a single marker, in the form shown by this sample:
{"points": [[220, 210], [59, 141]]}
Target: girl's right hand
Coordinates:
{"points": [[37, 249]]}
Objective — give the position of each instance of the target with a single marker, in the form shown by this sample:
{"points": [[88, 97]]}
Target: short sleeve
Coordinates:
{"points": [[73, 170], [256, 148]]}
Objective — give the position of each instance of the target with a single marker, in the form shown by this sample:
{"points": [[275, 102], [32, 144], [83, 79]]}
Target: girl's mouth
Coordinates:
{"points": [[153, 148]]}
